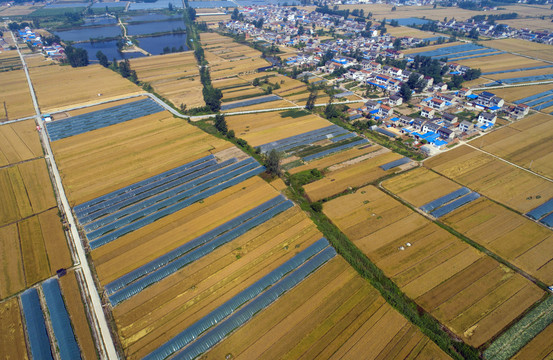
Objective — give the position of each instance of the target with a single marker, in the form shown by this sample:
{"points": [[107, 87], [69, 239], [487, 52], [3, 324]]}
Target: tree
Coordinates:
{"points": [[212, 97], [170, 6], [235, 14], [405, 92], [125, 68], [310, 104], [221, 124], [397, 44], [259, 23], [473, 34], [102, 58], [77, 57], [273, 163], [394, 8]]}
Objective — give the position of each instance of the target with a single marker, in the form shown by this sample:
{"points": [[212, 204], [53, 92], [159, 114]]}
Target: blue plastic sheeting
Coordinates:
{"points": [[535, 96], [159, 4], [95, 219], [386, 132], [36, 327], [80, 209], [159, 201], [343, 137], [527, 79], [224, 311], [446, 209], [548, 220], [395, 163], [248, 102], [542, 210], [59, 317], [411, 21], [515, 70], [543, 106], [444, 199], [444, 52], [246, 313], [476, 56], [540, 100], [470, 53], [308, 138], [79, 124], [196, 254], [191, 245], [344, 94], [334, 150]]}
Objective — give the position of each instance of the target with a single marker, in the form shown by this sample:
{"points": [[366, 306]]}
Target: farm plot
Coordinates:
{"points": [[272, 126], [128, 152], [336, 159], [495, 227], [472, 294], [402, 31], [15, 94], [522, 92], [333, 312], [523, 47], [493, 178], [60, 87], [527, 143], [355, 175], [174, 76], [19, 141], [430, 48], [12, 337], [524, 73]]}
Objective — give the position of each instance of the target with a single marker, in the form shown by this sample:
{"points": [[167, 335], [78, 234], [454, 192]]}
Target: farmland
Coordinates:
{"points": [[527, 48], [332, 313], [501, 62], [492, 177], [12, 338], [15, 93], [173, 76], [128, 152], [59, 87], [540, 348], [19, 142], [516, 93], [491, 225], [469, 292]]}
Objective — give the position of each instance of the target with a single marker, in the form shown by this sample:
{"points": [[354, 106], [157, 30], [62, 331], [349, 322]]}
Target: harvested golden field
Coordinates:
{"points": [[492, 177], [539, 348], [59, 87], [26, 191], [269, 105], [354, 175], [161, 311], [241, 93], [335, 159], [104, 160], [37, 60], [404, 31], [12, 278], [523, 47], [174, 76], [469, 292], [527, 143], [511, 94], [501, 62], [535, 24], [15, 93], [500, 230], [12, 335], [521, 73], [333, 313], [259, 129], [19, 142], [75, 307], [17, 10]]}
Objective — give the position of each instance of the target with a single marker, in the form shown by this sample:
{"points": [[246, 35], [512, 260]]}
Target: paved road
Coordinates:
{"points": [[108, 348]]}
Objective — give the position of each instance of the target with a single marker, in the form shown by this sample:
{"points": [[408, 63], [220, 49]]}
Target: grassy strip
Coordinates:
{"points": [[396, 146], [388, 289], [233, 86], [243, 97], [317, 148]]}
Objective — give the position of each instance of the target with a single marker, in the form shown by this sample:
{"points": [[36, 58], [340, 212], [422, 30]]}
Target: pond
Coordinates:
{"points": [[411, 21], [87, 33], [99, 20], [149, 17], [155, 44], [109, 48], [155, 27]]}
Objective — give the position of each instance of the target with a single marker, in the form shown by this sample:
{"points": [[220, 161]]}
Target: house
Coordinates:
{"points": [[486, 119], [436, 104], [519, 111], [440, 86], [372, 105], [445, 97], [418, 123], [449, 119], [427, 112], [464, 92], [385, 111], [395, 100], [430, 127], [466, 126], [405, 120], [445, 133], [489, 100]]}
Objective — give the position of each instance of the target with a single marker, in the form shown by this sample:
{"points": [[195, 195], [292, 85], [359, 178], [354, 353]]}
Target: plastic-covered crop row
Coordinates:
{"points": [[470, 53], [214, 336], [535, 96], [446, 209], [477, 56], [516, 70], [542, 210], [291, 146], [540, 100], [395, 163], [444, 199], [196, 254], [300, 139], [139, 184], [68, 348], [191, 245], [254, 101], [98, 119], [444, 52], [146, 220], [156, 184], [35, 325], [548, 220], [156, 202], [335, 149], [543, 106], [114, 205], [289, 268], [527, 79], [343, 137]]}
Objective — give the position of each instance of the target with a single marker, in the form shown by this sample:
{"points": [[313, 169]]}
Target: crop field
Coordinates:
{"points": [[401, 31], [12, 337], [174, 76], [469, 292], [9, 60], [431, 48], [539, 348], [15, 94], [527, 143], [354, 175], [523, 47], [493, 226], [89, 109], [77, 313], [59, 87], [492, 177], [515, 93], [534, 72], [258, 129], [18, 10], [336, 159], [19, 142], [333, 313], [128, 152], [501, 62], [535, 24]]}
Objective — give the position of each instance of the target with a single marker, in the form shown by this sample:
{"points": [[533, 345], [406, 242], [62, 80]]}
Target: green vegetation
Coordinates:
{"points": [[294, 113]]}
